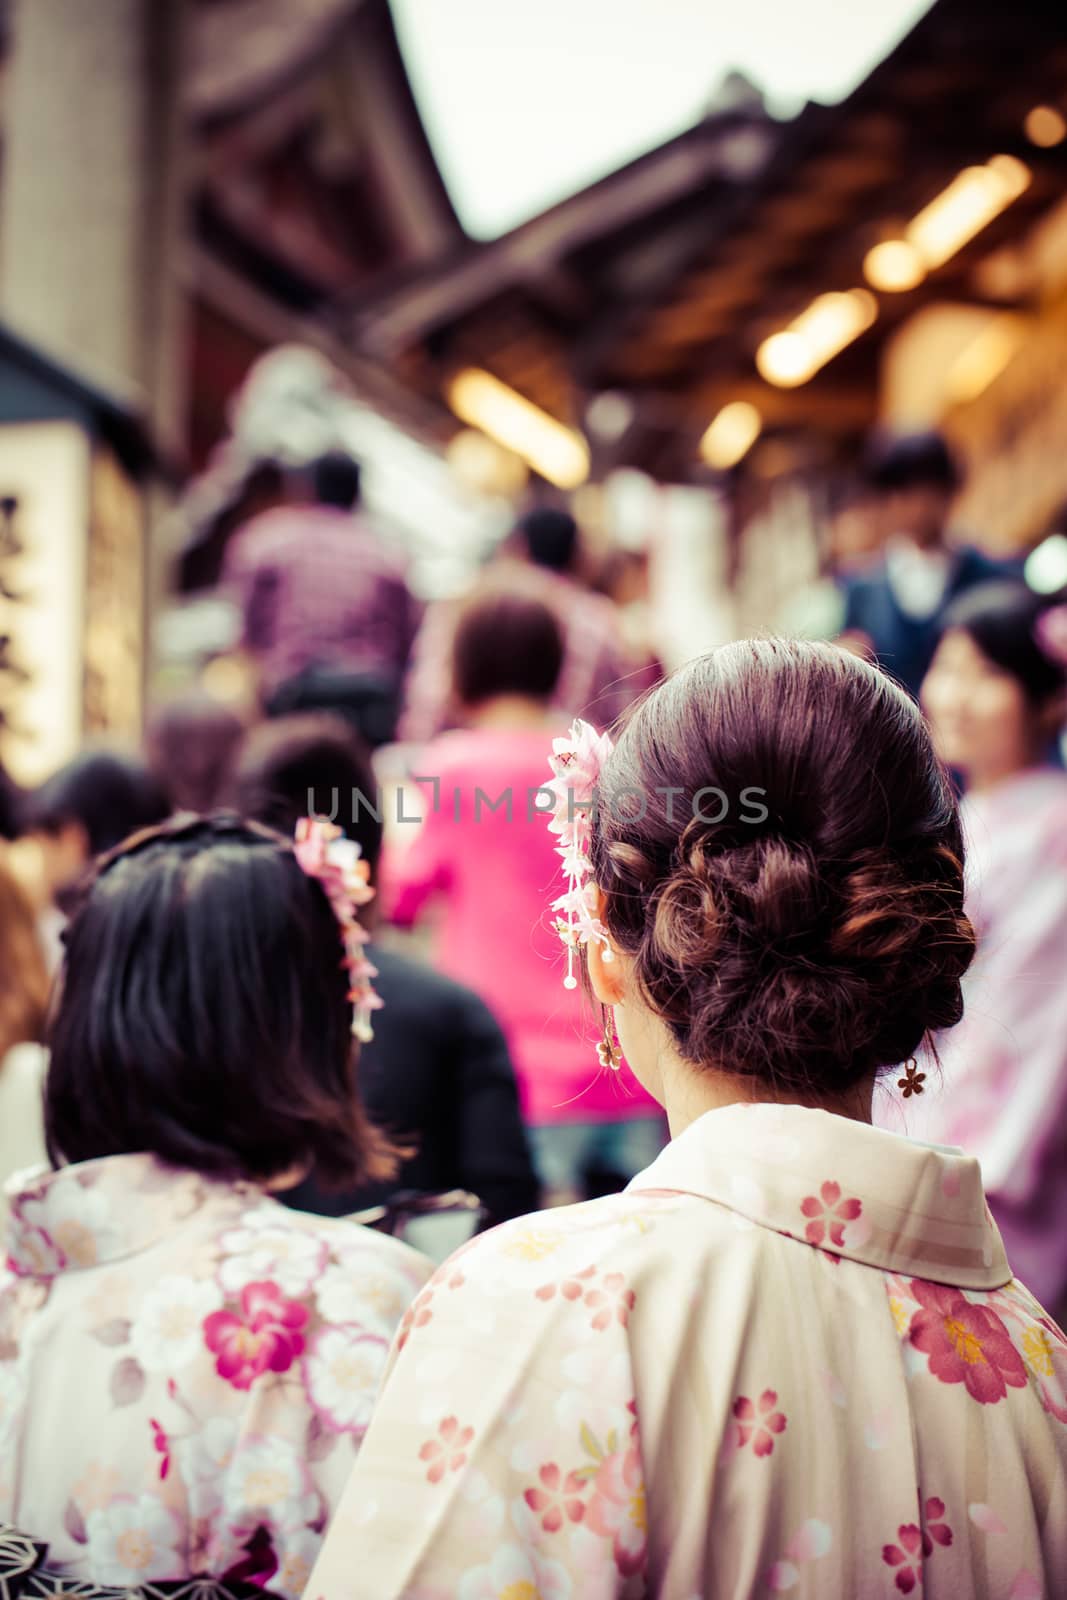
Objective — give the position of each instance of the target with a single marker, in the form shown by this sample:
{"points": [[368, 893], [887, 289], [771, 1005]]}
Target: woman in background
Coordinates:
{"points": [[995, 698], [484, 851]]}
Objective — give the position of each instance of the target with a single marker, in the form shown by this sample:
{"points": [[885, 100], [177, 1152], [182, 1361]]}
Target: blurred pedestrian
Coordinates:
{"points": [[88, 806], [192, 741], [23, 1001], [600, 675], [208, 1358], [437, 1074], [320, 592], [996, 697], [897, 606], [484, 853], [793, 1356]]}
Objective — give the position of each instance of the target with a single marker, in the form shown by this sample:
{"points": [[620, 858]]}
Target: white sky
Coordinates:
{"points": [[527, 101]]}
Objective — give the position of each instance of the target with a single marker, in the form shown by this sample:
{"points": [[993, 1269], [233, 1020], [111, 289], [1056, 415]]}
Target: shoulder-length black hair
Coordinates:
{"points": [[204, 1015]]}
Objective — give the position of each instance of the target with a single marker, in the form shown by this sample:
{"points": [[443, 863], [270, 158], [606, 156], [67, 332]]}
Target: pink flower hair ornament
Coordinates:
{"points": [[577, 762], [325, 854], [1050, 633]]}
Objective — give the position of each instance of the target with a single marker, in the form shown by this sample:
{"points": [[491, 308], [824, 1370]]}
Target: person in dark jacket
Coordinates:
{"points": [[898, 605], [437, 1076]]}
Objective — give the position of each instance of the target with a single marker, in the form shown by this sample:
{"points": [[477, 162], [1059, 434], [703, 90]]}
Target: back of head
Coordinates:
{"points": [[312, 764], [191, 743], [204, 1012], [337, 480], [507, 641], [108, 794], [1004, 618], [786, 868], [550, 538], [913, 461]]}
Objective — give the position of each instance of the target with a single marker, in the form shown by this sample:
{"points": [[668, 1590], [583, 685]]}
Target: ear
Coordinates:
{"points": [[606, 973]]}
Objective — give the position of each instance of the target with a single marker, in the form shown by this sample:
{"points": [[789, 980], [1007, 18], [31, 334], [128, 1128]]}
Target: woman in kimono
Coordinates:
{"points": [[995, 699], [186, 1367], [791, 1357]]}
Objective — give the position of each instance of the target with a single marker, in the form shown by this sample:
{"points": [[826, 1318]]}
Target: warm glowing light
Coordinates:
{"points": [[973, 198], [813, 338], [1045, 126], [731, 435], [984, 359], [893, 266], [558, 453]]}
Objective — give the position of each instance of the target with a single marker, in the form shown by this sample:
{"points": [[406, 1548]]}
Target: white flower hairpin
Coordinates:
{"points": [[324, 853]]}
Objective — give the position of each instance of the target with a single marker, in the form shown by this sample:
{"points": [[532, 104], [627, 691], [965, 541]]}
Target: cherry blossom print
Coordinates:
{"points": [[268, 1247], [828, 1212], [758, 1422], [268, 1486], [1026, 1587], [986, 1518], [417, 1315], [618, 1509], [447, 1452], [610, 1300], [934, 1522], [512, 1573], [166, 1333], [964, 1342], [362, 1288], [343, 1372], [134, 1539], [906, 1556], [556, 1498], [267, 1335], [811, 1541], [572, 1288]]}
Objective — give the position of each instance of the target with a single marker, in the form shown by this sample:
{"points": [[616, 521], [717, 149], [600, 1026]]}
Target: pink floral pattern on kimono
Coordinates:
{"points": [[721, 1437], [209, 1359]]}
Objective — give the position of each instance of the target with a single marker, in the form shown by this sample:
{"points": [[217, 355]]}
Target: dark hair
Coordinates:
{"points": [[550, 537], [314, 762], [813, 947], [506, 642], [191, 744], [913, 461], [204, 1013], [1001, 618], [337, 480], [110, 795]]}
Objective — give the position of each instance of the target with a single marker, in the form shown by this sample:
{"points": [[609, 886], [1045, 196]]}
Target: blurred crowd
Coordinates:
{"points": [[391, 717]]}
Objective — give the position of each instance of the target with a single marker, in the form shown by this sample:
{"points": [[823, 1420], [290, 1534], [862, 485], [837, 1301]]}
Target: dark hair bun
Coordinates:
{"points": [[821, 943]]}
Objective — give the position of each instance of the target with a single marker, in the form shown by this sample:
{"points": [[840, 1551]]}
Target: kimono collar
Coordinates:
{"points": [[850, 1189], [98, 1211]]}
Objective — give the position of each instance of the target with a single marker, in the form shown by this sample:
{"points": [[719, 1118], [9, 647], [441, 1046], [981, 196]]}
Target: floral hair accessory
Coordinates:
{"points": [[324, 853], [576, 763], [1050, 632]]}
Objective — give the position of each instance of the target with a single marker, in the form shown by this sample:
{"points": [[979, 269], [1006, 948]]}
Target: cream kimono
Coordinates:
{"points": [[790, 1359]]}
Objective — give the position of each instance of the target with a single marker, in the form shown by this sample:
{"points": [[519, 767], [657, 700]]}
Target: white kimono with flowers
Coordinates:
{"points": [[186, 1371], [790, 1359]]}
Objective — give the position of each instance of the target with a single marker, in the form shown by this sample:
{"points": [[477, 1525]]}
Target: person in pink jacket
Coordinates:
{"points": [[484, 851]]}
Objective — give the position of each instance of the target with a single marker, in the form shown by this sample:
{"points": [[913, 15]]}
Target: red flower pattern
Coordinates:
{"points": [[758, 1423], [557, 1499], [965, 1342], [916, 1544], [417, 1315], [267, 1336], [448, 1452], [161, 1444], [610, 1301], [829, 1213]]}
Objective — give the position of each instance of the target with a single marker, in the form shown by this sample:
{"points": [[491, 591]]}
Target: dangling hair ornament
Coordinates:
{"points": [[324, 853], [913, 1080], [1050, 633], [576, 763]]}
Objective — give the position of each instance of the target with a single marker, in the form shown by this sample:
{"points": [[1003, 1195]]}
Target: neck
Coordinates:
{"points": [[509, 711], [688, 1092], [982, 781]]}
